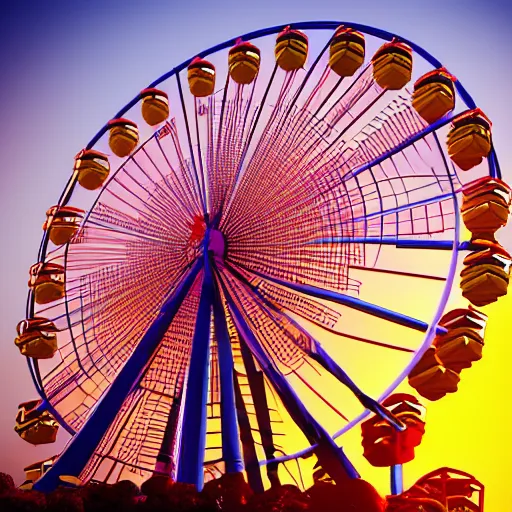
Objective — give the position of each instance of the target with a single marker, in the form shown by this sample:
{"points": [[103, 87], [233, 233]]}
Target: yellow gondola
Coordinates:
{"points": [[462, 345], [47, 280], [469, 140], [201, 78], [486, 273], [35, 426], [155, 106], [486, 206], [244, 62], [291, 50], [123, 136], [346, 51], [36, 338], [431, 379], [92, 168], [62, 222], [434, 95], [392, 65]]}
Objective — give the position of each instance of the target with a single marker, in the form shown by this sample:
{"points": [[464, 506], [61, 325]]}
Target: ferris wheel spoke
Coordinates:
{"points": [[307, 77], [323, 127], [159, 198], [149, 214], [170, 190], [405, 207], [349, 301], [227, 200], [202, 193], [157, 209], [82, 446], [399, 147], [397, 272], [234, 140], [121, 231], [317, 353], [329, 454], [190, 202]]}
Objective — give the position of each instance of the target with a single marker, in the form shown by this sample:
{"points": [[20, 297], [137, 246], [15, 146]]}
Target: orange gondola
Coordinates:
{"points": [[385, 446], [201, 78], [291, 50], [486, 273], [486, 206], [35, 426], [462, 345], [123, 136], [155, 106], [434, 95], [469, 140], [392, 65], [36, 338], [47, 280], [62, 222], [244, 62], [35, 471], [431, 379], [92, 168], [437, 372], [346, 51]]}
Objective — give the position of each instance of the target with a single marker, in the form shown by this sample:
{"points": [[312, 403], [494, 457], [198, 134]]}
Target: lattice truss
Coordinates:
{"points": [[299, 175]]}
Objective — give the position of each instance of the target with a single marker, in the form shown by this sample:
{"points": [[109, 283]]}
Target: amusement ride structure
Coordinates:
{"points": [[253, 254]]}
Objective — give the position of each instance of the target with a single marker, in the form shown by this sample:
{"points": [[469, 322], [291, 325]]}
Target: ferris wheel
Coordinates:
{"points": [[258, 249]]}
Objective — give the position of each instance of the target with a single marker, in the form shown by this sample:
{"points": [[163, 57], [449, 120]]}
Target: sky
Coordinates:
{"points": [[67, 67]]}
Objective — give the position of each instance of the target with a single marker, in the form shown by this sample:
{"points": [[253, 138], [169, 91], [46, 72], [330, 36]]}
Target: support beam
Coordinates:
{"points": [[397, 479], [323, 358], [401, 243], [330, 456], [165, 464], [193, 437], [252, 467], [81, 448], [400, 147], [229, 424], [352, 302]]}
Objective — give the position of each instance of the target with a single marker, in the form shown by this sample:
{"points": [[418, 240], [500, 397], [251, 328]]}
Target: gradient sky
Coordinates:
{"points": [[67, 67]]}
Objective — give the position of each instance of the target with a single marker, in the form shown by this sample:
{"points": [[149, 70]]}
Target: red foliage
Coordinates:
{"points": [[351, 496]]}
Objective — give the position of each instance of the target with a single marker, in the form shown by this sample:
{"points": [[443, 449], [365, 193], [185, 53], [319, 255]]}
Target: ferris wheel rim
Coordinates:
{"points": [[494, 171]]}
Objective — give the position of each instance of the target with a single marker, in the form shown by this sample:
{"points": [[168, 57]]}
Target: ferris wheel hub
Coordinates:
{"points": [[217, 244]]}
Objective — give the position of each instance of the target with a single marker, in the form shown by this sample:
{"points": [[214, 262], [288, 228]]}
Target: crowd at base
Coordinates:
{"points": [[229, 493]]}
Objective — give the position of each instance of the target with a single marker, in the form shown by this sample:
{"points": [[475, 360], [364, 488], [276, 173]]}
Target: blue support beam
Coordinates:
{"points": [[77, 453], [397, 479], [165, 463], [193, 438], [324, 359], [230, 434], [401, 243], [400, 147], [405, 207], [352, 302], [330, 456]]}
